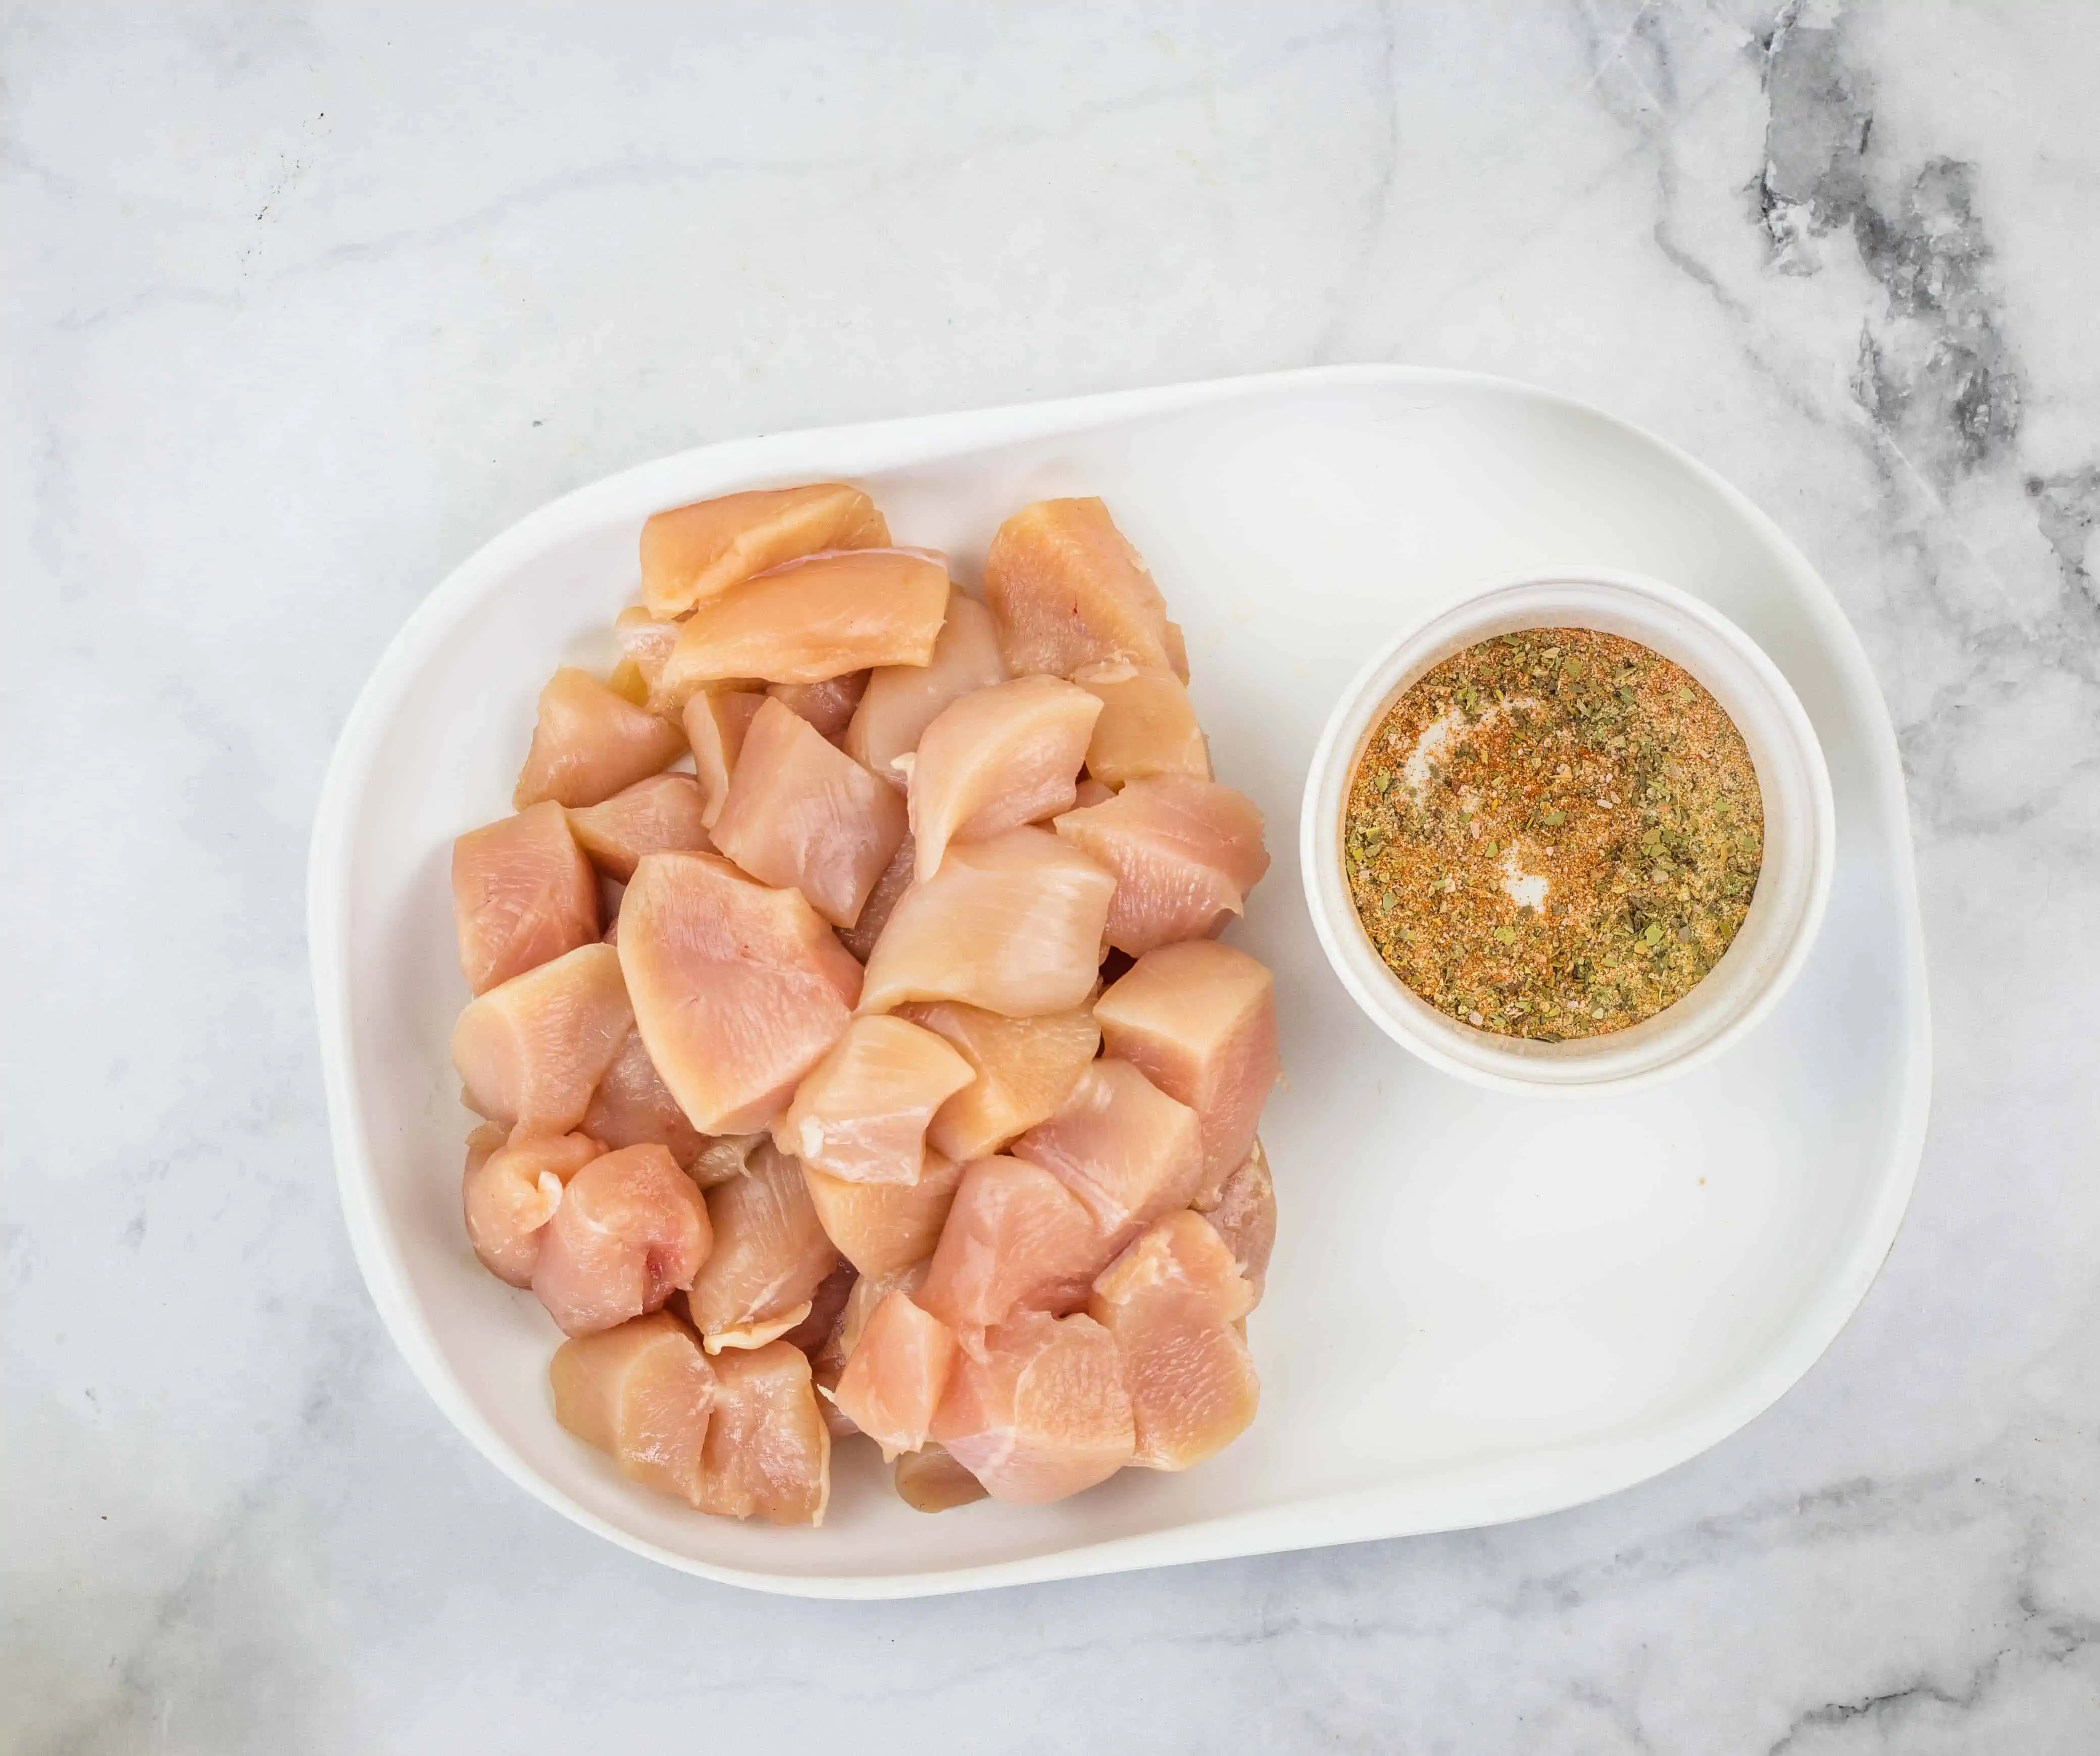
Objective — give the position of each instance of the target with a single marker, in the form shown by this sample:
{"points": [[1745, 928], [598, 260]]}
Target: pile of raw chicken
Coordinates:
{"points": [[883, 1073]]}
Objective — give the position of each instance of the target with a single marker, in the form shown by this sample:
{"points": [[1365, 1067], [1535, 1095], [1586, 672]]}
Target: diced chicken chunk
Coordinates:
{"points": [[1016, 1237], [1023, 1068], [869, 1291], [859, 939], [629, 1231], [1068, 590], [691, 554], [511, 1193], [802, 815], [1013, 924], [1146, 727], [643, 1393], [1184, 852], [1091, 792], [896, 1376], [770, 1257], [1199, 1019], [633, 1107], [815, 619], [532, 1052], [883, 1227], [768, 1453], [591, 742], [1126, 1150], [739, 989], [522, 895], [1244, 1214], [1043, 1413], [860, 1114], [930, 1480], [1173, 1301], [716, 721], [996, 759], [902, 700], [661, 815], [827, 706]]}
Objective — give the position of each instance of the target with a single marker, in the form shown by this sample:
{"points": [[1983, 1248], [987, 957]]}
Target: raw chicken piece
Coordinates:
{"points": [[895, 1378], [721, 1157], [522, 895], [642, 1392], [1091, 792], [1184, 853], [1177, 651], [860, 1114], [768, 1453], [827, 1308], [661, 815], [532, 1052], [1013, 924], [1244, 1214], [868, 1292], [645, 643], [1198, 1020], [511, 1193], [883, 1227], [770, 1255], [996, 759], [1023, 1067], [1146, 727], [859, 939], [1126, 1150], [1068, 590], [1015, 1238], [827, 1363], [633, 1107], [1043, 1413], [814, 619], [1171, 1301], [590, 743], [930, 1480], [829, 705], [630, 1229], [716, 721], [803, 815], [902, 699], [737, 990], [694, 552]]}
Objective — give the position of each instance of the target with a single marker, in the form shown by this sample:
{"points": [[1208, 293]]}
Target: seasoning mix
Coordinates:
{"points": [[1554, 834]]}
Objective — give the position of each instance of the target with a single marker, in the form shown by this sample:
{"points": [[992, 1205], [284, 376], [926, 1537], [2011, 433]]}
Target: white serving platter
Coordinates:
{"points": [[1482, 1307]]}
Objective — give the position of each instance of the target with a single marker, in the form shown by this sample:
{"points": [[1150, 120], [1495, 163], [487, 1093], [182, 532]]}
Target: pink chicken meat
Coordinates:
{"points": [[1198, 1020], [630, 1230], [861, 1113], [523, 893], [1042, 1412], [1173, 1302], [1184, 853], [801, 815], [738, 989], [532, 1052], [1013, 924], [996, 759]]}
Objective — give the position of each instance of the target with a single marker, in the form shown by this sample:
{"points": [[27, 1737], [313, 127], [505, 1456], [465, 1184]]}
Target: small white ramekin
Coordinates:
{"points": [[1794, 884]]}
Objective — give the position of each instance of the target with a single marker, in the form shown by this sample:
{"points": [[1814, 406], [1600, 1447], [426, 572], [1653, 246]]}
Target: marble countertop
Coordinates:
{"points": [[303, 302]]}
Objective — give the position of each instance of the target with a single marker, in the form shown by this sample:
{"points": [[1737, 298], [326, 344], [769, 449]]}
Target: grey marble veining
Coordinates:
{"points": [[303, 302]]}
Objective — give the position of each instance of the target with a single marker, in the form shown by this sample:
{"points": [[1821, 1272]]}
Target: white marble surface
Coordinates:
{"points": [[303, 301]]}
